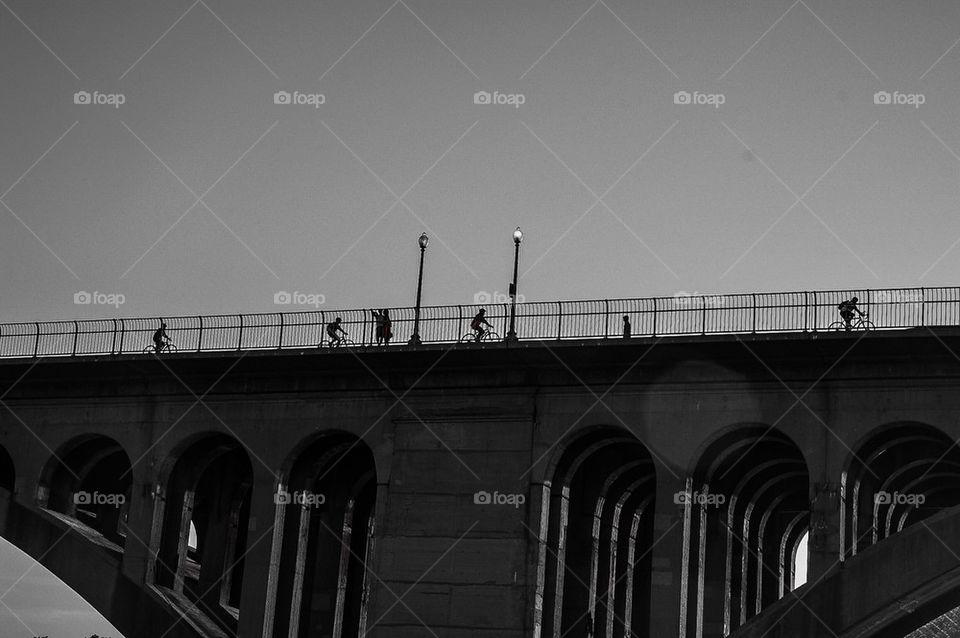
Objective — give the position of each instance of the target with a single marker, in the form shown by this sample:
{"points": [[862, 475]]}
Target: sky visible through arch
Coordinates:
{"points": [[644, 148]]}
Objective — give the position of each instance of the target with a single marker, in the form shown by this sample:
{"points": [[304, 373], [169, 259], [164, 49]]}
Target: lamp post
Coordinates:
{"points": [[415, 339], [512, 333]]}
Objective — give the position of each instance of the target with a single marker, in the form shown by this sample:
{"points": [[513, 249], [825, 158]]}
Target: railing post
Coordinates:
{"points": [[456, 336], [280, 341], [923, 306], [123, 329], [654, 333], [606, 318], [703, 307], [200, 333], [113, 344], [240, 335], [36, 342], [559, 320], [814, 306], [754, 313], [76, 336]]}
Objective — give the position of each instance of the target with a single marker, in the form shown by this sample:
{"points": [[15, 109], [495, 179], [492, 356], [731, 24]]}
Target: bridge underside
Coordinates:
{"points": [[630, 488]]}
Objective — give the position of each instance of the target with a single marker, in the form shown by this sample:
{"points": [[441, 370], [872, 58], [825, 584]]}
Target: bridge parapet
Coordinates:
{"points": [[681, 314]]}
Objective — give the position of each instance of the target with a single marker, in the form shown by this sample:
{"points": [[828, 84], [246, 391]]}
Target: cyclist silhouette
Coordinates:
{"points": [[332, 329], [847, 308], [478, 322], [160, 336]]}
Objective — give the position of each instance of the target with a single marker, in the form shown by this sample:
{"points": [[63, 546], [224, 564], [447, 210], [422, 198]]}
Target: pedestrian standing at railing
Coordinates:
{"points": [[387, 326], [378, 329], [626, 327]]}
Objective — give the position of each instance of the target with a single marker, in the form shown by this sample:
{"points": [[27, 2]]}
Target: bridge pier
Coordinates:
{"points": [[259, 576], [666, 604]]}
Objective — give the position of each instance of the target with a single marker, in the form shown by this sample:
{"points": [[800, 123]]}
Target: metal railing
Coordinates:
{"points": [[543, 320]]}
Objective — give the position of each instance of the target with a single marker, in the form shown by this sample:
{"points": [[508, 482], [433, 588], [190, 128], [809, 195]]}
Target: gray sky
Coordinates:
{"points": [[798, 180], [296, 201]]}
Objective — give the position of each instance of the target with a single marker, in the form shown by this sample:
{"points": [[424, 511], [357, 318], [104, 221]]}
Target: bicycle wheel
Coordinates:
{"points": [[468, 338], [866, 324], [149, 350], [170, 347], [490, 335], [837, 325]]}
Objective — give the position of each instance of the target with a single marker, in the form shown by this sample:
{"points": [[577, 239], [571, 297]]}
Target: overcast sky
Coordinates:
{"points": [[789, 176], [189, 190]]}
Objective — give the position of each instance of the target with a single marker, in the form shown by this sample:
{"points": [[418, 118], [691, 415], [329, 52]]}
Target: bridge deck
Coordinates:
{"points": [[682, 314]]}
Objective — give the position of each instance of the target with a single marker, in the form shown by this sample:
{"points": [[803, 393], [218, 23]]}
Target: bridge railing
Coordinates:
{"points": [[542, 320]]}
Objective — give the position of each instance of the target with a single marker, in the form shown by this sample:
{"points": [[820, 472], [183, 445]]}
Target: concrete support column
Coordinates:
{"points": [[136, 549], [258, 586], [825, 531], [667, 553]]}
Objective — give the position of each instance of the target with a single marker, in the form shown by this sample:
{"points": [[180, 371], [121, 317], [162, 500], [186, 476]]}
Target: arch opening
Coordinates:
{"points": [[326, 510], [744, 511], [89, 480], [594, 567], [205, 509], [899, 476]]}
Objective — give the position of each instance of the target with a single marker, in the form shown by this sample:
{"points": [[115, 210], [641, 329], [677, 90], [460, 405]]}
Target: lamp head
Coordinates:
{"points": [[423, 241], [517, 236]]}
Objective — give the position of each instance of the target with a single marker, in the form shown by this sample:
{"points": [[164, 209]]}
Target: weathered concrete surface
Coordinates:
{"points": [[888, 590], [444, 423], [92, 571]]}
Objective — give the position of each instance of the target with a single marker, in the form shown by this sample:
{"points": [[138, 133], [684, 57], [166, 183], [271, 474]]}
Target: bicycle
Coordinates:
{"points": [[341, 342], [860, 323], [168, 347], [486, 335]]}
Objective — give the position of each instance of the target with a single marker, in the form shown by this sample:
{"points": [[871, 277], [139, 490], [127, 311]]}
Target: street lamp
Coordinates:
{"points": [[415, 339], [512, 333]]}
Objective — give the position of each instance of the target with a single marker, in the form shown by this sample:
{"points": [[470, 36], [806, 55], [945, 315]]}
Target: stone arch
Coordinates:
{"points": [[593, 563], [745, 506], [326, 506], [206, 481], [88, 479], [898, 474]]}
